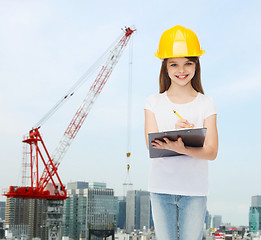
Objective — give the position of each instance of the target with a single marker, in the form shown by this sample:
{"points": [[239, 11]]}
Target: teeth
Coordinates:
{"points": [[183, 76]]}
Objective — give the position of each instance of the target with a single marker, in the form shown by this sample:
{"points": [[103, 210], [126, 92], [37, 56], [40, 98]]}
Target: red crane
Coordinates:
{"points": [[49, 185]]}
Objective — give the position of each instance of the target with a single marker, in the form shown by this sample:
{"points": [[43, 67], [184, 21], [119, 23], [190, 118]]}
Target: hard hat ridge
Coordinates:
{"points": [[179, 41]]}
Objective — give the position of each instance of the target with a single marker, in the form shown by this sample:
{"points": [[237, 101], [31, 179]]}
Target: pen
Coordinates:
{"points": [[177, 114], [180, 117]]}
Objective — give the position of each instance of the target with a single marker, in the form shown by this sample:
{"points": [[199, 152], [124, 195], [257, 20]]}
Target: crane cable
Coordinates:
{"points": [[77, 85], [129, 113], [130, 98]]}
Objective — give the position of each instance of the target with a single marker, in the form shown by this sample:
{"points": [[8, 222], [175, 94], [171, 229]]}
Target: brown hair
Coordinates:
{"points": [[165, 81]]}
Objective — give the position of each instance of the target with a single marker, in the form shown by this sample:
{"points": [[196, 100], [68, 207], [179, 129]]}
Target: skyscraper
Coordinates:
{"points": [[145, 212], [2, 210], [77, 185], [27, 217], [207, 219], [256, 201], [138, 210], [217, 221], [89, 205], [2, 231], [121, 218], [255, 214]]}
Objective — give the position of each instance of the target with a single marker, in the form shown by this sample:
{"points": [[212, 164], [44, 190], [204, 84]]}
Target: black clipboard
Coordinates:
{"points": [[192, 137]]}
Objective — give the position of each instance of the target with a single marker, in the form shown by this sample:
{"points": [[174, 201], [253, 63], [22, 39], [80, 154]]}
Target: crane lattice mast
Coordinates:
{"points": [[40, 186]]}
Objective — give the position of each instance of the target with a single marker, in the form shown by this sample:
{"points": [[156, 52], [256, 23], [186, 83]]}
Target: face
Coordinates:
{"points": [[181, 70]]}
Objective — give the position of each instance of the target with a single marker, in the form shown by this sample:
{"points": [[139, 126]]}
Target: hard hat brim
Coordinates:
{"points": [[181, 55]]}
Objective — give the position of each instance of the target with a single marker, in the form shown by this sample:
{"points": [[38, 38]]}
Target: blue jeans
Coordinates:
{"points": [[177, 215]]}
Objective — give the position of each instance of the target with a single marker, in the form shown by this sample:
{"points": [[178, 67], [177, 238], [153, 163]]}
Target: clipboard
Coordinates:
{"points": [[192, 137]]}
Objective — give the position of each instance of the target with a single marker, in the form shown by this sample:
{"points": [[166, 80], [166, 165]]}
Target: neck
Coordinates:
{"points": [[181, 94], [178, 90]]}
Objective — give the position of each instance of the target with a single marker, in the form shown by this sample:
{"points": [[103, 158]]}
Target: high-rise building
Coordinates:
{"points": [[207, 220], [77, 185], [2, 231], [121, 217], [256, 201], [255, 214], [34, 218], [26, 217], [2, 210], [91, 205], [145, 212], [138, 210], [217, 221]]}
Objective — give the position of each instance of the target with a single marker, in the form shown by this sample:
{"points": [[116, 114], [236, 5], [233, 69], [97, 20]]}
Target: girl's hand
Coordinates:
{"points": [[183, 123], [177, 146]]}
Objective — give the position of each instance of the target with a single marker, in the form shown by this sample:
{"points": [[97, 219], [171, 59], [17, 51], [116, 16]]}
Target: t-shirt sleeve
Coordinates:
{"points": [[210, 108], [149, 103]]}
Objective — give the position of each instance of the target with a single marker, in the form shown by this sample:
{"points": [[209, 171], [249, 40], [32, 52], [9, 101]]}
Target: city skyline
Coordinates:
{"points": [[81, 185], [136, 197], [46, 46]]}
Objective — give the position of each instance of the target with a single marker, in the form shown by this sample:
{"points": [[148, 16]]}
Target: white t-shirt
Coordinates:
{"points": [[181, 175]]}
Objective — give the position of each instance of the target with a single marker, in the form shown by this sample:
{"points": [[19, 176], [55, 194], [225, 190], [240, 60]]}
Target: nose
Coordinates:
{"points": [[181, 69]]}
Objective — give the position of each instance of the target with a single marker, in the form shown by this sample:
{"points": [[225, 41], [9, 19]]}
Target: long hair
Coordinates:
{"points": [[165, 81]]}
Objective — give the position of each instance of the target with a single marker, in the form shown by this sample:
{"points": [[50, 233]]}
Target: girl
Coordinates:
{"points": [[179, 184]]}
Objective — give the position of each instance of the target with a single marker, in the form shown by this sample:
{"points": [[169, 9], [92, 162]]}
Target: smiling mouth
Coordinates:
{"points": [[182, 76]]}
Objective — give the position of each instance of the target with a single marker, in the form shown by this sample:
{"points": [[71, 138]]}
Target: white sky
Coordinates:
{"points": [[45, 46]]}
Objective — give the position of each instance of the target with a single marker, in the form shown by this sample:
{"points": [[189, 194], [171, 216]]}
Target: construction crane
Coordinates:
{"points": [[48, 185]]}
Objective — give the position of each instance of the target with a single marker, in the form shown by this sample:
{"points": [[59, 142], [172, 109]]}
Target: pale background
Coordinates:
{"points": [[45, 46]]}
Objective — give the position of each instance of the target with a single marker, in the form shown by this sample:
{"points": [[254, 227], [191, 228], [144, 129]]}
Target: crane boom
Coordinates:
{"points": [[39, 186], [86, 105], [90, 98]]}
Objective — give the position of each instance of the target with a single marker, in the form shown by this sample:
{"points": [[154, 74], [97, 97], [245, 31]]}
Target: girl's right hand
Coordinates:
{"points": [[183, 123]]}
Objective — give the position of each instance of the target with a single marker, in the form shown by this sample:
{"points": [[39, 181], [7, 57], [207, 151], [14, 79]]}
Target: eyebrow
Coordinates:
{"points": [[173, 61]]}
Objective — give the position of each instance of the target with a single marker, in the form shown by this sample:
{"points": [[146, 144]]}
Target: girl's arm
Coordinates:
{"points": [[208, 151], [150, 124]]}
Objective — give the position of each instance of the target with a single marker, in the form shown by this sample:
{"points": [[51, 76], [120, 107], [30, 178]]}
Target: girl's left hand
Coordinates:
{"points": [[177, 146]]}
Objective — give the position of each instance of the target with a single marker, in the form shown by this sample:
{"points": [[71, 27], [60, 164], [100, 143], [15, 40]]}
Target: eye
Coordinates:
{"points": [[173, 64], [188, 63]]}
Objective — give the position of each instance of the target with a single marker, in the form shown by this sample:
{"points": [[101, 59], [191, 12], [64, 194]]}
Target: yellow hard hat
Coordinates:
{"points": [[179, 41]]}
